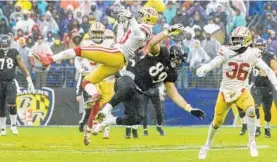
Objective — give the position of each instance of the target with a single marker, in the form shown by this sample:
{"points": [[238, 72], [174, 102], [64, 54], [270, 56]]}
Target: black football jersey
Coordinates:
{"points": [[262, 81], [8, 63], [151, 70]]}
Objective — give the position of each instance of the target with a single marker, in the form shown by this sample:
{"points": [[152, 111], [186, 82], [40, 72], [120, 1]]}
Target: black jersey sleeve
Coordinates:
{"points": [[164, 52], [172, 76], [15, 54]]}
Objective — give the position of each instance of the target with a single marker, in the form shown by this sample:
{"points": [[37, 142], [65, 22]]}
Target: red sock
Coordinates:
{"points": [[94, 110]]}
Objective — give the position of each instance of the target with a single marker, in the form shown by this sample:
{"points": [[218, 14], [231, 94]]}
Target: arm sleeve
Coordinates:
{"points": [[216, 62], [135, 27], [77, 63], [269, 72], [120, 32]]}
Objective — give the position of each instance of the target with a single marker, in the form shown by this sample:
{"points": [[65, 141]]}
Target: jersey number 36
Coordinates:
{"points": [[239, 71], [8, 61], [157, 73]]}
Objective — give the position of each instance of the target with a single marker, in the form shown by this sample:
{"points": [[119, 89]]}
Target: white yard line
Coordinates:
{"points": [[142, 149]]}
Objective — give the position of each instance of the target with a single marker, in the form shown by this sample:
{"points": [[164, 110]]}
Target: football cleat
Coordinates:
{"points": [[81, 126], [93, 129], [253, 149], [145, 133], [135, 133], [14, 130], [128, 133], [106, 134], [3, 132], [160, 130], [46, 60], [102, 115], [87, 137], [258, 132], [243, 129], [203, 152], [267, 133]]}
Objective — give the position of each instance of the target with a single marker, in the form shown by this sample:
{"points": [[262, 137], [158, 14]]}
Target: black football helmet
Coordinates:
{"points": [[177, 56], [5, 42]]}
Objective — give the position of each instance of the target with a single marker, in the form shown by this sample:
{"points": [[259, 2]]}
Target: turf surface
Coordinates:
{"points": [[65, 144]]}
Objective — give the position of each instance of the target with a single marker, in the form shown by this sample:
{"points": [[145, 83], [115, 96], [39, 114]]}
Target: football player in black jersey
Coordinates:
{"points": [[9, 59], [159, 65], [262, 90]]}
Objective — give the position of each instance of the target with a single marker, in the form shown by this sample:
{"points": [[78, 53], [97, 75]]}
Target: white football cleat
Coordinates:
{"points": [[106, 134], [103, 114], [253, 149], [3, 132], [14, 130], [203, 152]]}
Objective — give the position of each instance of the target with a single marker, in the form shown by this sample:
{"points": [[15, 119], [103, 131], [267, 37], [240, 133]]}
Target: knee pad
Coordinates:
{"points": [[13, 110], [250, 112]]}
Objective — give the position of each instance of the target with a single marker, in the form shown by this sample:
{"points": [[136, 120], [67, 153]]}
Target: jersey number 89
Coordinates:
{"points": [[158, 71], [8, 61]]}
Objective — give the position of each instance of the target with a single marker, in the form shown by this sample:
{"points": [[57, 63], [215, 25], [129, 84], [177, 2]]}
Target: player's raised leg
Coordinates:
{"points": [[221, 110]]}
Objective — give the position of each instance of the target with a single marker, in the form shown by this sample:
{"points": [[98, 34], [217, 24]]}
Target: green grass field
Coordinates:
{"points": [[65, 144]]}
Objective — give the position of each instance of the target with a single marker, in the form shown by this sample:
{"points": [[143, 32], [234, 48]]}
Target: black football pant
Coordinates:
{"points": [[7, 96], [262, 95], [127, 93], [153, 96]]}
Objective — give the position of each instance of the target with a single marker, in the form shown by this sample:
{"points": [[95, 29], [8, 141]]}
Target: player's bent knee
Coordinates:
{"points": [[13, 110], [250, 112], [217, 124]]}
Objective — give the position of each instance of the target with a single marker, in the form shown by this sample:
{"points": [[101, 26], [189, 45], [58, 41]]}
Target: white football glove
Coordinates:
{"points": [[31, 87], [201, 71], [176, 29], [124, 14]]}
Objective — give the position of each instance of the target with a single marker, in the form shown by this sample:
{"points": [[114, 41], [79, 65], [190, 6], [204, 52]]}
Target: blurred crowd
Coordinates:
{"points": [[49, 27]]}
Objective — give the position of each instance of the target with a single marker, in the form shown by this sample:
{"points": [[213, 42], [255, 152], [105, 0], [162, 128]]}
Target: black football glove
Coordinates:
{"points": [[198, 113]]}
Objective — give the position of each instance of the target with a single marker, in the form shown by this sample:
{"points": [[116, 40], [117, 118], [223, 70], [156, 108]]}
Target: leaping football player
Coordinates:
{"points": [[158, 66], [111, 60], [237, 61]]}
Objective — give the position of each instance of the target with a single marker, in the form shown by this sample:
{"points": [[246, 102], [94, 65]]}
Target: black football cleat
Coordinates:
{"points": [[128, 133], [267, 132], [161, 131], [243, 129], [135, 133], [81, 126], [258, 132]]}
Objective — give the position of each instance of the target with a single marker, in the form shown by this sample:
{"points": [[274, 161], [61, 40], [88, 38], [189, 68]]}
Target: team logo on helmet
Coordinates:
{"points": [[35, 108]]}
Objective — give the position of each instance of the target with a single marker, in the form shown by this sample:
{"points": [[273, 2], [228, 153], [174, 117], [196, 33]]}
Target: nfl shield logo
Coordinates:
{"points": [[35, 108]]}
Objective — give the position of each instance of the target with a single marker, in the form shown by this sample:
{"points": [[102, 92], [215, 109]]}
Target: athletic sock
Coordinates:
{"points": [[251, 127], [135, 127], [211, 134], [64, 55], [267, 125], [243, 120], [3, 122], [13, 119], [257, 122], [94, 110]]}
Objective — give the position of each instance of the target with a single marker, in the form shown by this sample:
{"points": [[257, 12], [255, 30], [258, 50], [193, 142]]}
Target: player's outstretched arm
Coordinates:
{"points": [[204, 69], [173, 93], [23, 68], [269, 72], [154, 47]]}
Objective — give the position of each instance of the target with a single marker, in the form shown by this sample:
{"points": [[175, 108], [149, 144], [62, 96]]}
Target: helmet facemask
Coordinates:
{"points": [[97, 36]]}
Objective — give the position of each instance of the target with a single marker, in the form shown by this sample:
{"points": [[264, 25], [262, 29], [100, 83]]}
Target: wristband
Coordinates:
{"points": [[166, 32], [29, 79], [188, 108]]}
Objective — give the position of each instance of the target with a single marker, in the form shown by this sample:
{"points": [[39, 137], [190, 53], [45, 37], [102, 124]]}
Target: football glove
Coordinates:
{"points": [[124, 14], [31, 87], [198, 113], [201, 71], [176, 29]]}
